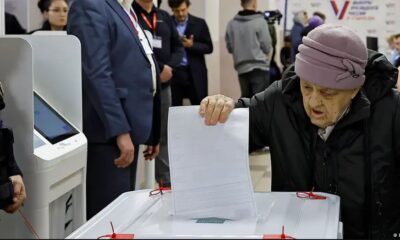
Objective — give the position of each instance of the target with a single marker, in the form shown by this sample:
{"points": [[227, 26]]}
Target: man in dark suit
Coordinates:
{"points": [[190, 78], [168, 51], [120, 96]]}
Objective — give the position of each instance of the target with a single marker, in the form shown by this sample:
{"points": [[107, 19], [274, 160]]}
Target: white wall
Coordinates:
{"points": [[35, 18], [18, 8], [229, 79], [27, 13], [2, 24], [212, 11]]}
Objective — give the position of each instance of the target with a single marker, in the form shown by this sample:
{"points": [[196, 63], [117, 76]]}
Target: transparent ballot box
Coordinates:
{"points": [[140, 214]]}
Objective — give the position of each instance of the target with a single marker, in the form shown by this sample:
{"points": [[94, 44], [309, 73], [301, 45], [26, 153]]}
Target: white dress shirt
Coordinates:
{"points": [[143, 37]]}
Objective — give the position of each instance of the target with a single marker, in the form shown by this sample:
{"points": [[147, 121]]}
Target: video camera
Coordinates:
{"points": [[272, 16]]}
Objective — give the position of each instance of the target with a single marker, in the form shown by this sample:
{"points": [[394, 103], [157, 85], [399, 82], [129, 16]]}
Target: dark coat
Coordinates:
{"points": [[117, 77], [45, 27], [397, 61], [202, 45], [306, 30], [171, 52], [296, 36], [8, 166], [117, 96], [360, 161]]}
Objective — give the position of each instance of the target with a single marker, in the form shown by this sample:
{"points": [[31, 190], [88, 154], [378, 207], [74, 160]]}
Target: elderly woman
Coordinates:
{"points": [[332, 124]]}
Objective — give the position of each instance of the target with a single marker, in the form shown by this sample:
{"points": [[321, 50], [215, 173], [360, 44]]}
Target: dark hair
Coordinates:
{"points": [[44, 5], [320, 14], [396, 36], [245, 2], [177, 3], [287, 39]]}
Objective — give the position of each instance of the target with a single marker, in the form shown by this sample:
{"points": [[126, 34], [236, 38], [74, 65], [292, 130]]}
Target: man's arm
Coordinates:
{"points": [[228, 40], [265, 39], [19, 194], [165, 72], [177, 50], [88, 21], [12, 166], [7, 140], [153, 146], [216, 109], [13, 172], [202, 44], [396, 122]]}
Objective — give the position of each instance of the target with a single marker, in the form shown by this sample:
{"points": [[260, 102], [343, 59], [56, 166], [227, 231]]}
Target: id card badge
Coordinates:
{"points": [[157, 42]]}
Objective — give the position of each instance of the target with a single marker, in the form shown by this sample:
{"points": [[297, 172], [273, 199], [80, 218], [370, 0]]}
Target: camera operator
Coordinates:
{"points": [[12, 188], [272, 17]]}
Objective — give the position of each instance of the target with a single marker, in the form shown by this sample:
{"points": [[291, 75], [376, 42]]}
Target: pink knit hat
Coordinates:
{"points": [[333, 57]]}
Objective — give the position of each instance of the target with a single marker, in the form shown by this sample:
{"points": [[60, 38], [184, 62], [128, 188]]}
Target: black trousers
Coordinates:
{"points": [[253, 82], [182, 86], [104, 181]]}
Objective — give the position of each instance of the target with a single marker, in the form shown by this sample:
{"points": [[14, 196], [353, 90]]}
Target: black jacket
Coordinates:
{"points": [[306, 30], [12, 25], [8, 166], [360, 161], [202, 44], [397, 61], [171, 52], [45, 27]]}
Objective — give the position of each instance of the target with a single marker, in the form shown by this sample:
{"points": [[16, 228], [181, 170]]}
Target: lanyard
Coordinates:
{"points": [[151, 26], [133, 20]]}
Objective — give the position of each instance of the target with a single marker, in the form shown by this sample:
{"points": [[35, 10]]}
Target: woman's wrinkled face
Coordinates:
{"points": [[324, 106], [57, 14]]}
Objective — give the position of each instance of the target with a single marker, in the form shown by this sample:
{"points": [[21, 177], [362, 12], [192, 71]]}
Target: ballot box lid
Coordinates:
{"points": [[153, 217]]}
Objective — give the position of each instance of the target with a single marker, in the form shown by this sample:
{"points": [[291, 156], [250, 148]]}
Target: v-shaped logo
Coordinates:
{"points": [[342, 13]]}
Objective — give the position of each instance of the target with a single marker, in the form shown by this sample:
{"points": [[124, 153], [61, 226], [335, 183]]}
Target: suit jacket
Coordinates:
{"points": [[117, 78], [172, 50], [202, 45]]}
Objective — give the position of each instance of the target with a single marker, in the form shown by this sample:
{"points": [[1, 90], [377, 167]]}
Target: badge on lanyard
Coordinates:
{"points": [[157, 42]]}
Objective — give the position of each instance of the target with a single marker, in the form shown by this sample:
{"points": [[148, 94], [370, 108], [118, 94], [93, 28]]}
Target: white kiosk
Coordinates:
{"points": [[41, 76]]}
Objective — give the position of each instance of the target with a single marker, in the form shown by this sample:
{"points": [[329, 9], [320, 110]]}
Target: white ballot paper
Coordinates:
{"points": [[209, 165]]}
